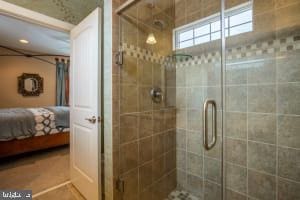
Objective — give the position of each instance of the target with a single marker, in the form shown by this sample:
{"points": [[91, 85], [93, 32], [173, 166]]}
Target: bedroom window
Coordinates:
{"points": [[237, 20]]}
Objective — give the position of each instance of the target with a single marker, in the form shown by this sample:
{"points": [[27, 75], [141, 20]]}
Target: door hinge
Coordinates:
{"points": [[119, 57], [120, 185]]}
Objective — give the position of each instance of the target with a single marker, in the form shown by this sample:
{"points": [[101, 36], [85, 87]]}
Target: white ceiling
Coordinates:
{"points": [[41, 39]]}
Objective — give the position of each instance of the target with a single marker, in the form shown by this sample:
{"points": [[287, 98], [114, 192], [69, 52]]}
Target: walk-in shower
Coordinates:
{"points": [[227, 126]]}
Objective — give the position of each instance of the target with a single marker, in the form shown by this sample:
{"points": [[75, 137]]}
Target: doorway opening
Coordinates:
{"points": [[49, 141]]}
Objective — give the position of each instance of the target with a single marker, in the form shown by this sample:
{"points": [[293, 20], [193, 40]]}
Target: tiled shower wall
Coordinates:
{"points": [[147, 133], [261, 122], [262, 104], [262, 125], [145, 156]]}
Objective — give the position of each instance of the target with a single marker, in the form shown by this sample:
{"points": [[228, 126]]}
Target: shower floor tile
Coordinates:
{"points": [[181, 195]]}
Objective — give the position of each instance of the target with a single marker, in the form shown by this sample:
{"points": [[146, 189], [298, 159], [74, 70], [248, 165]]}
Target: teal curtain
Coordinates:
{"points": [[62, 82]]}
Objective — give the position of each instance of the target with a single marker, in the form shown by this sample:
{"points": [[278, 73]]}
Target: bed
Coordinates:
{"points": [[30, 129]]}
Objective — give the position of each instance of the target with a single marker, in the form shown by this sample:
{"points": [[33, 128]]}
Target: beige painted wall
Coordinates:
{"points": [[11, 68]]}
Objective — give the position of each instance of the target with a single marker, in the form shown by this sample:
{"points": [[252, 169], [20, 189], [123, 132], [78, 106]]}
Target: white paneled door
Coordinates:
{"points": [[85, 74]]}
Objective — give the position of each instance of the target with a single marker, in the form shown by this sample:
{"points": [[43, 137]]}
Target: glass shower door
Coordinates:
{"points": [[175, 48], [147, 134], [198, 88], [262, 100]]}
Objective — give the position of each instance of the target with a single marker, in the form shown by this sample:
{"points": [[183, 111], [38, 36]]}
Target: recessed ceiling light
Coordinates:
{"points": [[24, 41]]}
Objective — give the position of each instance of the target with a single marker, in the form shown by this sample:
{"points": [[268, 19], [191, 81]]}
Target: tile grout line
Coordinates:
{"points": [[253, 141]]}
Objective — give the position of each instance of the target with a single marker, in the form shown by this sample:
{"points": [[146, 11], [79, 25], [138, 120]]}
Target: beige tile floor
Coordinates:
{"points": [[36, 171]]}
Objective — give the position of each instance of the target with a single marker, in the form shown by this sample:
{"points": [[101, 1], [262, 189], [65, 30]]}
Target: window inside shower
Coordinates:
{"points": [[237, 20]]}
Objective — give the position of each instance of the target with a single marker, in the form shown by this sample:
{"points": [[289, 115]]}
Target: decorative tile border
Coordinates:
{"points": [[143, 54], [267, 47], [290, 43]]}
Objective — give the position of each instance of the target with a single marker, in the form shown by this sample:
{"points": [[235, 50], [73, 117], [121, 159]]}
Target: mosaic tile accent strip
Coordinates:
{"points": [[181, 195], [290, 43], [267, 47], [140, 53], [258, 49]]}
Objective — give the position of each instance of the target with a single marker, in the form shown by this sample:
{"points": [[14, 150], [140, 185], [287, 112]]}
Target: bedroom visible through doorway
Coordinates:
{"points": [[34, 107], [73, 107]]}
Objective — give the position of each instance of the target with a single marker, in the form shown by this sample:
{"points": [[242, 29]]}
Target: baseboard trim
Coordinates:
{"points": [[50, 189]]}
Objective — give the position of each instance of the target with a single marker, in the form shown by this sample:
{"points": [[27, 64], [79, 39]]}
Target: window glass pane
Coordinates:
{"points": [[241, 29], [226, 32], [186, 35], [186, 44], [202, 39], [197, 33], [215, 26], [216, 36], [226, 22], [202, 30], [241, 18]]}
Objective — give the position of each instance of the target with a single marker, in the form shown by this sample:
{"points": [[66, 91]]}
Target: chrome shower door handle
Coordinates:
{"points": [[206, 104]]}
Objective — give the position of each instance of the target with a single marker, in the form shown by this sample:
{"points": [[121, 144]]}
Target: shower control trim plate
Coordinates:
{"points": [[156, 95]]}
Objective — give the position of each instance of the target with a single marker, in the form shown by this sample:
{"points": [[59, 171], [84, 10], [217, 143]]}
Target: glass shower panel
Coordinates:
{"points": [[198, 79], [161, 150], [263, 101], [147, 142]]}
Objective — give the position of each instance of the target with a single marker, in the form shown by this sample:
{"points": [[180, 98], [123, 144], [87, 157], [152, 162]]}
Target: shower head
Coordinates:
{"points": [[160, 24], [177, 57]]}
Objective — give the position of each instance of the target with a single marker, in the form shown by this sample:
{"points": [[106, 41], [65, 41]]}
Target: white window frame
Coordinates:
{"points": [[208, 20]]}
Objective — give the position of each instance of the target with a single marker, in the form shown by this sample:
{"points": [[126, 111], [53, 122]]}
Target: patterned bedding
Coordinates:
{"points": [[45, 122], [14, 123]]}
